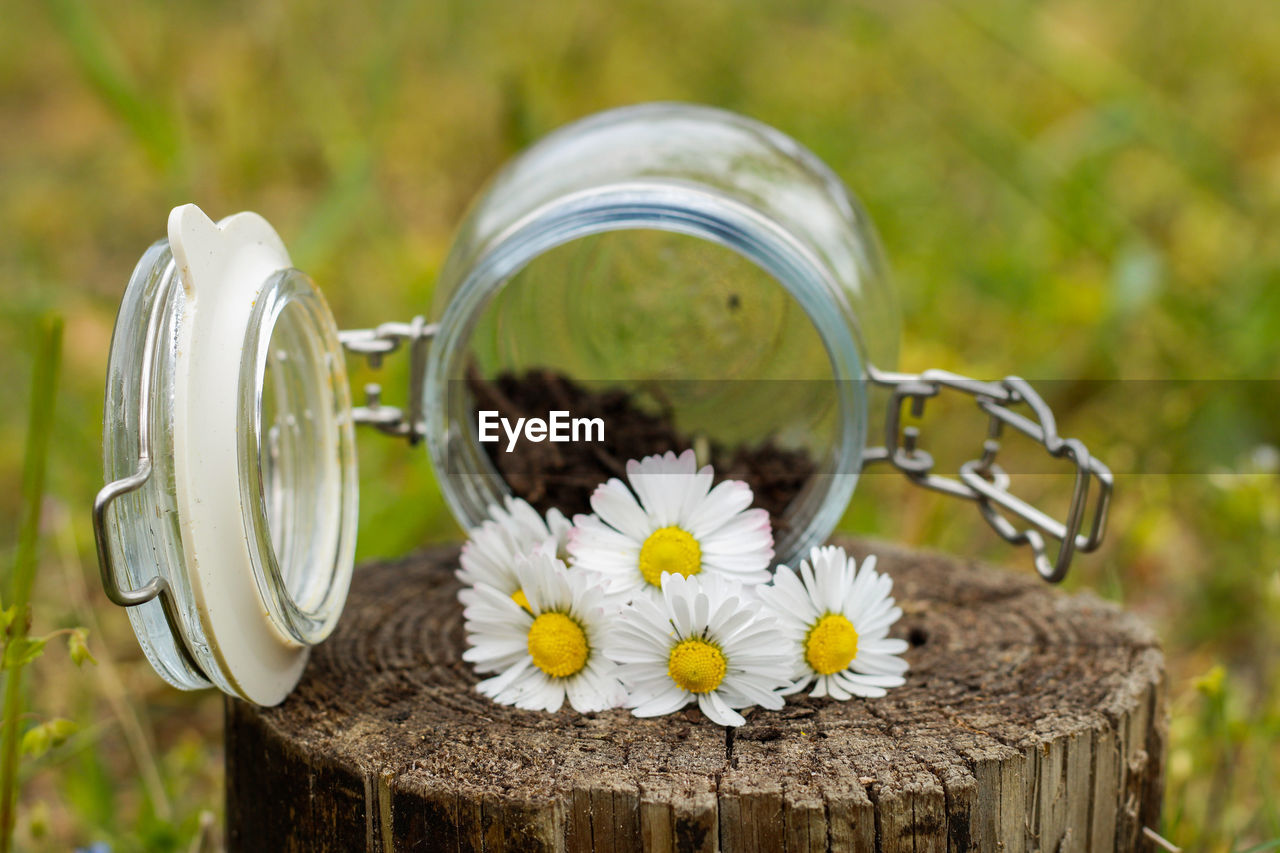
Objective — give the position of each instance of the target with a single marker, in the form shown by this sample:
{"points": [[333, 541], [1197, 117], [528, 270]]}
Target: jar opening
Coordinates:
{"points": [[659, 341], [807, 397], [297, 457]]}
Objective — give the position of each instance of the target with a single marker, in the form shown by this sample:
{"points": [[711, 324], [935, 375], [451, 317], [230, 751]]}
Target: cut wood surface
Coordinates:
{"points": [[1031, 720]]}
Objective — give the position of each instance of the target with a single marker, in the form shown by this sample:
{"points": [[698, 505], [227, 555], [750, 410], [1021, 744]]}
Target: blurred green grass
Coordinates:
{"points": [[1070, 190]]}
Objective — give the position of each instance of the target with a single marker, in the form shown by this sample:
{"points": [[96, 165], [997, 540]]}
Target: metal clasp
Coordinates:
{"points": [[982, 480], [381, 341]]}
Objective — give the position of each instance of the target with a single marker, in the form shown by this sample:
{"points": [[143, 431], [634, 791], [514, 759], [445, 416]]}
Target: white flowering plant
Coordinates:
{"points": [[662, 597]]}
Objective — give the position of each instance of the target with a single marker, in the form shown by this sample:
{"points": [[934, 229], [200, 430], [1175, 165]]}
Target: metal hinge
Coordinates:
{"points": [[381, 341], [982, 480]]}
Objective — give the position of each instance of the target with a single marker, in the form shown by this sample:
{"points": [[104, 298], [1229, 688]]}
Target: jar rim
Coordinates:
{"points": [[303, 592]]}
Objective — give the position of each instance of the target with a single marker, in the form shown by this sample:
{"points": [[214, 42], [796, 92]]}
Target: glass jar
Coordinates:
{"points": [[692, 253], [703, 274]]}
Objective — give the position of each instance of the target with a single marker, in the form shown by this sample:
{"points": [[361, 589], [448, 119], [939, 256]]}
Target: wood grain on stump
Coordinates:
{"points": [[1031, 720]]}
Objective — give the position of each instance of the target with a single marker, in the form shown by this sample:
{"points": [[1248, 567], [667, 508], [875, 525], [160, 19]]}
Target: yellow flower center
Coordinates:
{"points": [[831, 645], [520, 598], [696, 665], [558, 645], [669, 549]]}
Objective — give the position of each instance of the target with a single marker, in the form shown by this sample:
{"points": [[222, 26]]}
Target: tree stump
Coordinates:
{"points": [[1031, 720]]}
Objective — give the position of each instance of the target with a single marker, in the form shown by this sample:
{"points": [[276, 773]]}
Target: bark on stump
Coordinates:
{"points": [[1031, 720]]}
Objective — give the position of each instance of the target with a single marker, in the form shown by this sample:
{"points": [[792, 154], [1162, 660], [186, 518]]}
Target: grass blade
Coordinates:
{"points": [[44, 382]]}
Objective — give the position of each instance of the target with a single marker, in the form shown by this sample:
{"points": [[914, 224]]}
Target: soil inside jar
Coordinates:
{"points": [[563, 475]]}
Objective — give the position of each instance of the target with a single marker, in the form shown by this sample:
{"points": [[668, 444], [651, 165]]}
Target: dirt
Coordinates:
{"points": [[563, 475]]}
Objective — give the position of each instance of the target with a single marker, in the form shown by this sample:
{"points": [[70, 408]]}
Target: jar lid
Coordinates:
{"points": [[230, 452]]}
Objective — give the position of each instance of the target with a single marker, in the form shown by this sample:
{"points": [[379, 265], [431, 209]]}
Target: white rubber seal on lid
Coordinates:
{"points": [[224, 269]]}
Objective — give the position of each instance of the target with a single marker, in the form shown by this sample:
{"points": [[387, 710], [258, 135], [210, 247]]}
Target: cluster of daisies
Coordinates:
{"points": [[663, 597]]}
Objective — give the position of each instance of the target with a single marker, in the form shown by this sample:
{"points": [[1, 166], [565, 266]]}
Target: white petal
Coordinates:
{"points": [[879, 625], [886, 646], [788, 595], [721, 504], [590, 533], [717, 711], [877, 664], [860, 686], [678, 605], [836, 690], [583, 699], [871, 680], [695, 493], [617, 507], [664, 703], [760, 691], [547, 695], [492, 686], [748, 530], [662, 482]]}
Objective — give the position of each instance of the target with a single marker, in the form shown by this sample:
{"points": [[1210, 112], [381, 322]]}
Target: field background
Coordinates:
{"points": [[1083, 192]]}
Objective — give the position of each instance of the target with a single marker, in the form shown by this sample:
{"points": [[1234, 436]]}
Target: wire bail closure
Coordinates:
{"points": [[382, 340], [982, 480]]}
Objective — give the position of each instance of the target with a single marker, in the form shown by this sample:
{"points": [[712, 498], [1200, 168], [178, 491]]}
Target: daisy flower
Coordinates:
{"points": [[703, 641], [835, 619], [491, 551], [671, 521], [546, 650]]}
